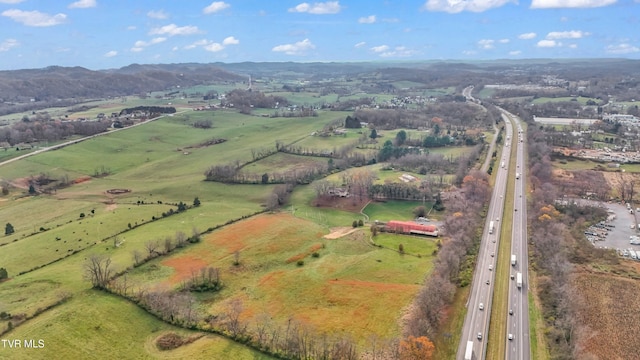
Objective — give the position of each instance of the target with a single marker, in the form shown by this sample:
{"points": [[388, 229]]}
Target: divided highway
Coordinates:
{"points": [[519, 347], [475, 332], [476, 324]]}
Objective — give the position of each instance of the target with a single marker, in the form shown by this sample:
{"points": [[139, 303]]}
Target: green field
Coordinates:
{"points": [[287, 268], [395, 210], [580, 99]]}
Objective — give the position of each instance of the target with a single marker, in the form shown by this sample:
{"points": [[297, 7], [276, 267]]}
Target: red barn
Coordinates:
{"points": [[410, 227]]}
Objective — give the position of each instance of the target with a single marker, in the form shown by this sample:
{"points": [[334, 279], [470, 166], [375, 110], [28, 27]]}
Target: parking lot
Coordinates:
{"points": [[616, 232]]}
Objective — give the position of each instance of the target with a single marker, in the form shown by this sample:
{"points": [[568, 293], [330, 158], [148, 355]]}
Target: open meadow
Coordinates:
{"points": [[122, 192], [286, 269]]}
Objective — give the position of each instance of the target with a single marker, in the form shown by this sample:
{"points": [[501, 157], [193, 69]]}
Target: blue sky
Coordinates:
{"points": [[103, 34]]}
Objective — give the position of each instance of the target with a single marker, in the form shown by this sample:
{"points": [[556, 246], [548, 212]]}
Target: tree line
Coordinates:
{"points": [[36, 131], [454, 262]]}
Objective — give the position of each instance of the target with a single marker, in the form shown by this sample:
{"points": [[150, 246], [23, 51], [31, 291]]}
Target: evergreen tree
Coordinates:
{"points": [[8, 229]]}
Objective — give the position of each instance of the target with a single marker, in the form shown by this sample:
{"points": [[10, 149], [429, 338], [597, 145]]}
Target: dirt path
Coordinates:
{"points": [[339, 232]]}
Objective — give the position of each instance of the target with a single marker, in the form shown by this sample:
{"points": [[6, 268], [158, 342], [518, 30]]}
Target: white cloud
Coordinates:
{"points": [[140, 44], [548, 43], [623, 48], [515, 52], [298, 48], [573, 46], [111, 53], [564, 19], [486, 44], [8, 44], [194, 45], [398, 51], [214, 47], [504, 41], [573, 34], [173, 29], [360, 44], [34, 18], [456, 6], [230, 41], [215, 7], [83, 4], [527, 36], [469, 52], [158, 14], [11, 1], [367, 20], [319, 8], [379, 49], [131, 27], [555, 4]]}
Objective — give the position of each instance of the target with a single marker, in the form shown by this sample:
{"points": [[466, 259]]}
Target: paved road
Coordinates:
{"points": [[476, 323], [517, 320]]}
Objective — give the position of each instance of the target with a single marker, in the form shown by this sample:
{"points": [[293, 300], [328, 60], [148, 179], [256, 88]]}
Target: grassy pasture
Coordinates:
{"points": [[393, 210], [343, 286], [350, 285], [305, 98], [67, 333], [329, 143], [413, 245], [580, 99], [281, 162], [451, 151]]}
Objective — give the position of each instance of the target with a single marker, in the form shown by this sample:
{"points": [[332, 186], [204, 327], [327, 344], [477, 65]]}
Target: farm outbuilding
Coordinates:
{"points": [[410, 227]]}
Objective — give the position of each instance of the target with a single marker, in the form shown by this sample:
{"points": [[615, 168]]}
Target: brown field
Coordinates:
{"points": [[610, 310], [351, 204], [350, 282], [183, 267]]}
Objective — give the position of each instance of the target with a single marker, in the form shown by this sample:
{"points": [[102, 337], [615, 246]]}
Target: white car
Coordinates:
{"points": [[481, 307], [479, 336], [510, 336]]}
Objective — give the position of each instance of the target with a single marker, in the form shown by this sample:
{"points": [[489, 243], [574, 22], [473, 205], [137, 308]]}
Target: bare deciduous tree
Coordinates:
{"points": [[97, 270]]}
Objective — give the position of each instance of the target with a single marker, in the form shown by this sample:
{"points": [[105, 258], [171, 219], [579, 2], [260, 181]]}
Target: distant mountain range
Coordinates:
{"points": [[54, 83]]}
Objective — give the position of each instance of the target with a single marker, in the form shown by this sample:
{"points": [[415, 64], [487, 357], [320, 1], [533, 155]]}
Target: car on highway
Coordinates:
{"points": [[493, 254], [479, 336], [510, 336], [510, 311], [481, 306], [488, 282], [490, 267]]}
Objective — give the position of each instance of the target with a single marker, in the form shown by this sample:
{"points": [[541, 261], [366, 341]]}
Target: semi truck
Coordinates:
{"points": [[519, 280], [490, 227], [468, 354], [513, 260]]}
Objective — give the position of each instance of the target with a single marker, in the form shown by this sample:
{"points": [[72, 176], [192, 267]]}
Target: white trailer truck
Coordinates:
{"points": [[468, 354], [490, 227], [519, 280]]}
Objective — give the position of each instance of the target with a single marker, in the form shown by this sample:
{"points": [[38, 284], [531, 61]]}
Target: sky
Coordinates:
{"points": [[107, 34]]}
